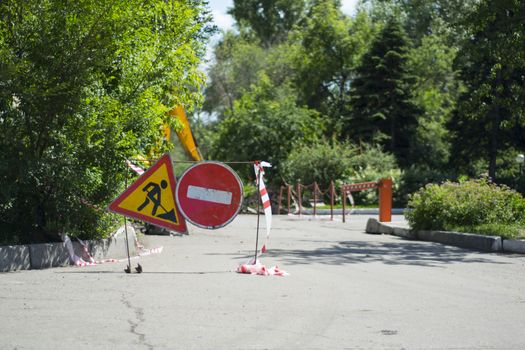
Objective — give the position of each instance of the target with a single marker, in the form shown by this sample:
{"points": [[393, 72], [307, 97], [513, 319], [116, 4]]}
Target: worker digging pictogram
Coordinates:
{"points": [[151, 198]]}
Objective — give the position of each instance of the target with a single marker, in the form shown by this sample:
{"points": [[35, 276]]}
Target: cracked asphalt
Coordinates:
{"points": [[346, 290]]}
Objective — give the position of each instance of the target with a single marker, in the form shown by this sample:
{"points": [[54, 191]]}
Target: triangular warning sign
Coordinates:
{"points": [[151, 198]]}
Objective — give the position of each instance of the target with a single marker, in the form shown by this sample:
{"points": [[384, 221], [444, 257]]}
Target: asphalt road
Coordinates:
{"points": [[346, 290]]}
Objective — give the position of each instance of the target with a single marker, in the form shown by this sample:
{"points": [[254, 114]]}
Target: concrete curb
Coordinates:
{"points": [[464, 240], [47, 255], [375, 227], [404, 232], [14, 257], [115, 246], [514, 246], [459, 239], [358, 211]]}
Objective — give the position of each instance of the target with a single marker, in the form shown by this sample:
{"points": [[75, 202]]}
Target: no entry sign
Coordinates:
{"points": [[209, 194]]}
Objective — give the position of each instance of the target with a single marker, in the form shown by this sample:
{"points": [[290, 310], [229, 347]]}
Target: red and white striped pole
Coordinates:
{"points": [[265, 199], [135, 168]]}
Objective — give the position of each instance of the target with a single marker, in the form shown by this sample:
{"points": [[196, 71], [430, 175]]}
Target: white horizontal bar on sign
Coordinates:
{"points": [[209, 195]]}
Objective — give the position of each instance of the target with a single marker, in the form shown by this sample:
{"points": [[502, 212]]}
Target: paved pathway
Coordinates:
{"points": [[347, 290]]}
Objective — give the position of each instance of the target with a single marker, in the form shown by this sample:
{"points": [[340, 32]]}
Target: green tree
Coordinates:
{"points": [[316, 56], [265, 124], [436, 90], [237, 64], [84, 85], [491, 113], [421, 18], [381, 104], [331, 46], [269, 21]]}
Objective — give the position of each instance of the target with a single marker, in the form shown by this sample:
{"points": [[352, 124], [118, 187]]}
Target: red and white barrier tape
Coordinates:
{"points": [[146, 252], [135, 168], [87, 259], [260, 269]]}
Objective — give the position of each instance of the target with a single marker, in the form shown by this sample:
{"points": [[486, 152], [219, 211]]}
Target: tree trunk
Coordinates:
{"points": [[494, 130], [493, 147]]}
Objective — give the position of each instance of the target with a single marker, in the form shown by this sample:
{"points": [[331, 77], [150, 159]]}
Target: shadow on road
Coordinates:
{"points": [[402, 252], [152, 272]]}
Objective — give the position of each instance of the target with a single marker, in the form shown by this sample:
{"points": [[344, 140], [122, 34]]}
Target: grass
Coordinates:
{"points": [[340, 206], [515, 231]]}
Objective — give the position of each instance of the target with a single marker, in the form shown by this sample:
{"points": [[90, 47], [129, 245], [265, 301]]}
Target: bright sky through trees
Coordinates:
{"points": [[224, 21]]}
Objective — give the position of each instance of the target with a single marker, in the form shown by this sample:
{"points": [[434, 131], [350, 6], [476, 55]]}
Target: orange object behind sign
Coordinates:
{"points": [[385, 200]]}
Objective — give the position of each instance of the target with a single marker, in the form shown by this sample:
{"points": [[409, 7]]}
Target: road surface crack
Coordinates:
{"points": [[136, 322]]}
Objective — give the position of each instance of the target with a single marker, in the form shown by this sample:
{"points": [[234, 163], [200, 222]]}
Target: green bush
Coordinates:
{"points": [[83, 86], [414, 178], [371, 164], [475, 206], [341, 162], [322, 162]]}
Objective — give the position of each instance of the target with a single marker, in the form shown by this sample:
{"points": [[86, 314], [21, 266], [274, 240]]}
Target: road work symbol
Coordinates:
{"points": [[151, 198], [153, 195]]}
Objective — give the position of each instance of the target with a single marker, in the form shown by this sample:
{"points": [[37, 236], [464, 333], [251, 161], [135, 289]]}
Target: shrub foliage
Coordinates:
{"points": [[84, 85], [475, 206], [342, 162]]}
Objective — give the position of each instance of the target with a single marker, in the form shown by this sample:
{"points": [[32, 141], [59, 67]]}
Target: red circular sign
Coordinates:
{"points": [[209, 194]]}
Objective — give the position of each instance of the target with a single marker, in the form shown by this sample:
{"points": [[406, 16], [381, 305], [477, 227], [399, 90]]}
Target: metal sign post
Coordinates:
{"points": [[258, 214], [127, 269]]}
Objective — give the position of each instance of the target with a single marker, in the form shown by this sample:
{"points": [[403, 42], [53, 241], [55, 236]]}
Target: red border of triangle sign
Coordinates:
{"points": [[151, 198]]}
